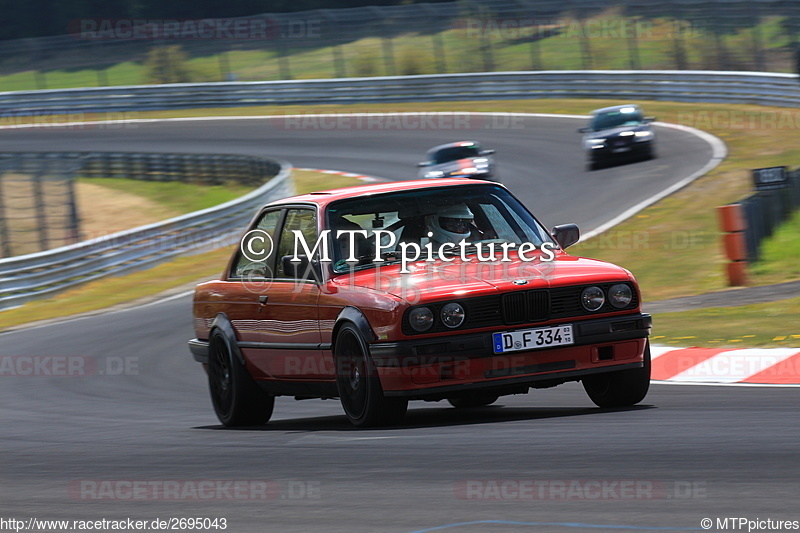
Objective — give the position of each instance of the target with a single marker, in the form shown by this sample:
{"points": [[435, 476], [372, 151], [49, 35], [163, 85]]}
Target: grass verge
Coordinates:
{"points": [[771, 324], [176, 196]]}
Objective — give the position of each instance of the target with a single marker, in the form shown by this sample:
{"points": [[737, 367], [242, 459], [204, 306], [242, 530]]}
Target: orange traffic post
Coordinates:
{"points": [[733, 223], [731, 218]]}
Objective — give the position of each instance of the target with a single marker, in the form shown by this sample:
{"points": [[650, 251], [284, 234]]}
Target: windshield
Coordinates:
{"points": [[455, 153], [481, 213], [615, 119]]}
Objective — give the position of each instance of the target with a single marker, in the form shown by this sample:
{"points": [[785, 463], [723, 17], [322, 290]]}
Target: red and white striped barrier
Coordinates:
{"points": [[755, 366]]}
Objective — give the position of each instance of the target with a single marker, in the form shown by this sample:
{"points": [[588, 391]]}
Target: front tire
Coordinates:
{"points": [[237, 399], [358, 384], [621, 388]]}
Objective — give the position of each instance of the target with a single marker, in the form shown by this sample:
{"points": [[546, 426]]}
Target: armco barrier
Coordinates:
{"points": [[31, 276], [683, 86]]}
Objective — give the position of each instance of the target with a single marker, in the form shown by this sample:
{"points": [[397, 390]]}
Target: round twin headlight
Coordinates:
{"points": [[420, 319], [593, 298], [620, 295], [453, 315]]}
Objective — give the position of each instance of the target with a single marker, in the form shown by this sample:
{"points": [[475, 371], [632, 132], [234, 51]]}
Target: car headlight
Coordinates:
{"points": [[593, 298], [643, 135], [595, 143], [434, 174], [620, 295], [453, 315], [420, 319], [469, 170], [626, 134]]}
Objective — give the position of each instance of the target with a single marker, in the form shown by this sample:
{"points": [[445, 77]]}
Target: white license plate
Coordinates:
{"points": [[531, 339], [621, 149]]}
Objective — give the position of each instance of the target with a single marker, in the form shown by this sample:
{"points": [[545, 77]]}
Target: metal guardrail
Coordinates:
{"points": [[31, 276], [684, 86], [204, 169], [38, 206]]}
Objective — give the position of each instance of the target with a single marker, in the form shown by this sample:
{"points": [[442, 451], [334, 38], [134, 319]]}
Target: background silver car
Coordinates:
{"points": [[463, 159]]}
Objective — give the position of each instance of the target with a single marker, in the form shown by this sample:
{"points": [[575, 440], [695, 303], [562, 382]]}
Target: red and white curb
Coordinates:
{"points": [[362, 177], [717, 366]]}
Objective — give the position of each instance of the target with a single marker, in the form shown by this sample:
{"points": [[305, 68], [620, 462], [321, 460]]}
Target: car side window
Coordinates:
{"points": [[246, 268], [304, 221]]}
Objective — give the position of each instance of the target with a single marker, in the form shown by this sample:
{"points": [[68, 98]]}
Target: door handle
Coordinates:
{"points": [[263, 299]]}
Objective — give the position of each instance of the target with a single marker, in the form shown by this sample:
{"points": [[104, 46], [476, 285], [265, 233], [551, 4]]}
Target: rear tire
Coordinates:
{"points": [[237, 399], [359, 386], [621, 388], [468, 402]]}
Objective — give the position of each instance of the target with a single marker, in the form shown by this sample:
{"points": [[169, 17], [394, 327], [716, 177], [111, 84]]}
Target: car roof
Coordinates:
{"points": [[613, 108], [453, 145], [325, 197]]}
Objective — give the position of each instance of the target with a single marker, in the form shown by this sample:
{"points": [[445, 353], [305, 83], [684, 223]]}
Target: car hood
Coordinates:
{"points": [[438, 280]]}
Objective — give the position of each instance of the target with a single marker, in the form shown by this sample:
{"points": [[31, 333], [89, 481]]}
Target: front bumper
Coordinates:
{"points": [[199, 350], [611, 150], [457, 363]]}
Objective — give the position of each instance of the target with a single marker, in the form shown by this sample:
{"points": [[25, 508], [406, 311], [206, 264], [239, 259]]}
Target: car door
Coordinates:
{"points": [[287, 343], [247, 284]]}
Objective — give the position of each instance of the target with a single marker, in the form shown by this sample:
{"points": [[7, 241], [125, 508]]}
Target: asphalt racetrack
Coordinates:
{"points": [[117, 422]]}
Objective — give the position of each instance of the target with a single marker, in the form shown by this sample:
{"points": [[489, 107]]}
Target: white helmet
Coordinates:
{"points": [[450, 224]]}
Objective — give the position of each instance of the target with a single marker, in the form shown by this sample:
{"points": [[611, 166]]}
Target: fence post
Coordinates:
{"points": [[73, 225], [5, 244], [284, 56], [718, 28], [758, 52], [387, 46], [633, 48], [102, 76], [436, 39], [338, 57], [586, 47], [734, 225], [224, 66], [40, 207], [677, 39]]}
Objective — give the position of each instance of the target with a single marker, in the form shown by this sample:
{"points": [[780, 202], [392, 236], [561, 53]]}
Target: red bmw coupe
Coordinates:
{"points": [[420, 290]]}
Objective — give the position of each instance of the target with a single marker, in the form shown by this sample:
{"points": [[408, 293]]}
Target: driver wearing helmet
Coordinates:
{"points": [[452, 224]]}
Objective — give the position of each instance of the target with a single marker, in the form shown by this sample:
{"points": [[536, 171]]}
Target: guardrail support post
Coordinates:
{"points": [[41, 209], [733, 224], [5, 244]]}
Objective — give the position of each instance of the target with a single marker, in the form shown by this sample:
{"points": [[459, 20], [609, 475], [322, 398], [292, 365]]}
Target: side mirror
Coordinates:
{"points": [[486, 152], [422, 164], [566, 235], [584, 130], [650, 119]]}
